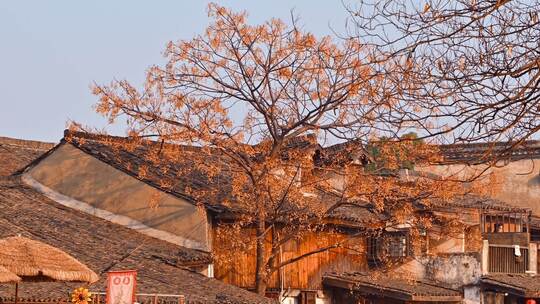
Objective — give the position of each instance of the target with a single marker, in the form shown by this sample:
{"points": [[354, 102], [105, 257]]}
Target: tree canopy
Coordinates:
{"points": [[264, 104]]}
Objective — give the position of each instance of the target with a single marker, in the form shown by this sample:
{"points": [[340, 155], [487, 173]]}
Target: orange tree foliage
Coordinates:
{"points": [[252, 97]]}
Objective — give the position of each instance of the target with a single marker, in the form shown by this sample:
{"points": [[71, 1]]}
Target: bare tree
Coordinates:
{"points": [[474, 65]]}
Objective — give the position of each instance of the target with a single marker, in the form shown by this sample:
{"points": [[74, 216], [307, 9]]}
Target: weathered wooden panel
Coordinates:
{"points": [[237, 265], [493, 298], [504, 260], [307, 272], [508, 238]]}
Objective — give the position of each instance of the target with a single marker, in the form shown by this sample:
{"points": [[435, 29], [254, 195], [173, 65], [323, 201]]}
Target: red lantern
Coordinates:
{"points": [[531, 301]]}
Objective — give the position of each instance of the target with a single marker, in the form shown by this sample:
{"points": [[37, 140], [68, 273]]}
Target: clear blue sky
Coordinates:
{"points": [[51, 51]]}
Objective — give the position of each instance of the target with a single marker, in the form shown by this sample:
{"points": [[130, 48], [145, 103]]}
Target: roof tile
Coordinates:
{"points": [[101, 245], [17, 153], [521, 284], [383, 283]]}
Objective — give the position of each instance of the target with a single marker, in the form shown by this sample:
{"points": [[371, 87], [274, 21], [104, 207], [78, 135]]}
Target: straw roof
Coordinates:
{"points": [[39, 261], [7, 276]]}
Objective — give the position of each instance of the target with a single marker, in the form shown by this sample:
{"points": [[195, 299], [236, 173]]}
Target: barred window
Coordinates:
{"points": [[397, 245], [389, 245]]}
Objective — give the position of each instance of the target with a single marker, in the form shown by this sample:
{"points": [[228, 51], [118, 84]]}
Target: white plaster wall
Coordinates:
{"points": [[454, 269], [107, 192], [519, 180], [471, 295]]}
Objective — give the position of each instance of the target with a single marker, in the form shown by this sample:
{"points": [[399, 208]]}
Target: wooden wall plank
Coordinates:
{"points": [[239, 268]]}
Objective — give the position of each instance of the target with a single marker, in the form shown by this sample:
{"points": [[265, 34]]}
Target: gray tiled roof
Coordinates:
{"points": [[521, 284], [17, 153], [482, 152], [101, 245], [391, 285], [216, 189]]}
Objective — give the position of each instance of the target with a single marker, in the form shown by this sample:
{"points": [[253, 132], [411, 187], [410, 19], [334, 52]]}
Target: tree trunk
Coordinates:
{"points": [[261, 285], [260, 270]]}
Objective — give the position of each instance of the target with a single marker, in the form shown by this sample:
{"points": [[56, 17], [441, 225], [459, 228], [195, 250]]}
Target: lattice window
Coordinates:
{"points": [[388, 246], [397, 245], [505, 222]]}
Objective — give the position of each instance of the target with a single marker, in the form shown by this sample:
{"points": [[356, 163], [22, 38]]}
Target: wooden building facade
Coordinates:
{"points": [[238, 268]]}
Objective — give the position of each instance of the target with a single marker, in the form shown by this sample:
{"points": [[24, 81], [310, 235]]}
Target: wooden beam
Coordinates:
{"points": [[366, 290], [437, 298], [511, 289], [338, 283], [503, 288], [383, 292]]}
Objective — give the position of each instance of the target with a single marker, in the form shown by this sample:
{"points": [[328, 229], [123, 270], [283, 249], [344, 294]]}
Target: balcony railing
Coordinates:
{"points": [[503, 259]]}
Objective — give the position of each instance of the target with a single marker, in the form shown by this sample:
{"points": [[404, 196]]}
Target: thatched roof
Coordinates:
{"points": [[7, 276], [29, 258]]}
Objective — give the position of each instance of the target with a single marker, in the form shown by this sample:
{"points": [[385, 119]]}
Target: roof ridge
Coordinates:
{"points": [[70, 135], [436, 283], [493, 144], [482, 202], [26, 143], [375, 284], [476, 153], [300, 139]]}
